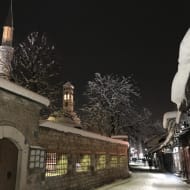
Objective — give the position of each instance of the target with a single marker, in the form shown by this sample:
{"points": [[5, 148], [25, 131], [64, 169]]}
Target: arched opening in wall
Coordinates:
{"points": [[8, 164], [12, 139]]}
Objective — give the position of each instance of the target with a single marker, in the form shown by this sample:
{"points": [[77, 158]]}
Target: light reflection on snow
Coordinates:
{"points": [[148, 181]]}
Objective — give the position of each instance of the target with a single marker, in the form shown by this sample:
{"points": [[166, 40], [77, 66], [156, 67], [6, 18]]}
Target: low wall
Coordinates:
{"points": [[78, 160]]}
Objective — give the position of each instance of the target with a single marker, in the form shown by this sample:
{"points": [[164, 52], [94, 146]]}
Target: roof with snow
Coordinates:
{"points": [[67, 129], [18, 90], [169, 123], [68, 85], [154, 143], [167, 117]]}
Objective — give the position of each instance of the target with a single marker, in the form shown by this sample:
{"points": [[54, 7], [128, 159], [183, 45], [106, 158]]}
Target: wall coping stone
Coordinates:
{"points": [[18, 90], [67, 129]]}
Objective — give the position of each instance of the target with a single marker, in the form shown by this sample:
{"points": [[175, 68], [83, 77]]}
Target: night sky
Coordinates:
{"points": [[120, 37]]}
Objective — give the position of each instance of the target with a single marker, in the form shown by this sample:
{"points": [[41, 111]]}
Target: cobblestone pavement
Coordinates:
{"points": [[148, 181]]}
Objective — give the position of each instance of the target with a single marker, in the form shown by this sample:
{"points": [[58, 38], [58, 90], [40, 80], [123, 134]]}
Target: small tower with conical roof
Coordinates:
{"points": [[67, 115], [6, 49], [68, 102]]}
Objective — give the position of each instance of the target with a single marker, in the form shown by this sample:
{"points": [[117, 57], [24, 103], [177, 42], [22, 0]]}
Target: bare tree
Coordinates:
{"points": [[111, 108], [35, 67]]}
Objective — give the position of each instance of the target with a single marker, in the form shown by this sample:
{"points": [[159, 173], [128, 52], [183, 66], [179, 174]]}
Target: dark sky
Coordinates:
{"points": [[121, 37]]}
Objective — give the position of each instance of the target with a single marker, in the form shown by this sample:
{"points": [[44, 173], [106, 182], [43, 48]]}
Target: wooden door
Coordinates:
{"points": [[8, 164]]}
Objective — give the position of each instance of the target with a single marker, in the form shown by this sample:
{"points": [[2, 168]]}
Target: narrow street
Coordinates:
{"points": [[148, 181], [144, 179]]}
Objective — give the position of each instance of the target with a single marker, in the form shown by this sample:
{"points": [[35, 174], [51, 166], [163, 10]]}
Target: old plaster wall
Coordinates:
{"points": [[20, 113], [19, 123]]}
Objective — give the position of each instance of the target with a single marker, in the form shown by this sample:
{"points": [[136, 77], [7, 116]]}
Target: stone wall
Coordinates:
{"points": [[19, 125], [74, 146], [54, 156], [21, 113]]}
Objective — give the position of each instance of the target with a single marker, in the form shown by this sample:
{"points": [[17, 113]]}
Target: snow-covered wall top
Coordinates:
{"points": [[66, 129], [16, 89], [181, 77]]}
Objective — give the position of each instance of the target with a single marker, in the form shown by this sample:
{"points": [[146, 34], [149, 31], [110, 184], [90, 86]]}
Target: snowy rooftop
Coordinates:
{"points": [[66, 129], [167, 117], [169, 121], [18, 90], [123, 137]]}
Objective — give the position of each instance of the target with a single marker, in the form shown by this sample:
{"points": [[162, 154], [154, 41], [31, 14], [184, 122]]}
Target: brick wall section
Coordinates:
{"points": [[73, 145]]}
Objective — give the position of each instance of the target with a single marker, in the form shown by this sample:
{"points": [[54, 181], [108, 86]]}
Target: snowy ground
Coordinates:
{"points": [[148, 181]]}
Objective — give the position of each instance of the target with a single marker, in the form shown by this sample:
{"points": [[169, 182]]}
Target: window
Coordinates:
{"points": [[83, 163], [101, 162], [56, 164], [66, 96], [37, 157], [113, 161]]}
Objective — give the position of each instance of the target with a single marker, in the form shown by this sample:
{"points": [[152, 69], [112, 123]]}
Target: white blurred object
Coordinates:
{"points": [[181, 77]]}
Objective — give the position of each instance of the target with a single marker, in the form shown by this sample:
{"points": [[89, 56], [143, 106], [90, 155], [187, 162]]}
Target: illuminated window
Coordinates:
{"points": [[83, 163], [56, 164], [113, 161], [66, 96], [101, 162]]}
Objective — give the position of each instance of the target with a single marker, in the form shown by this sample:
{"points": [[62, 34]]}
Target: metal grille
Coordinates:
{"points": [[83, 163], [101, 162], [113, 161], [56, 164]]}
